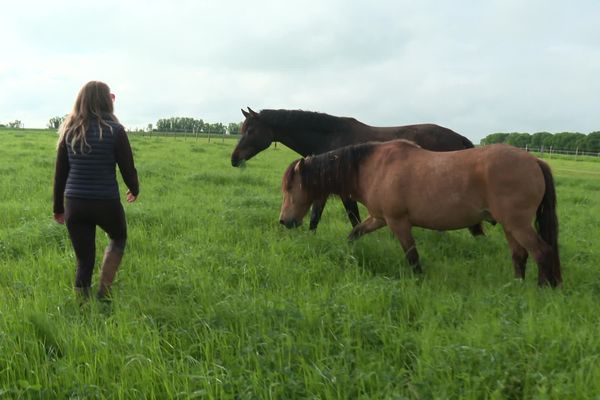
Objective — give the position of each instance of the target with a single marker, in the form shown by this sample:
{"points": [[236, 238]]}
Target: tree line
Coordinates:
{"points": [[192, 125], [16, 124], [560, 141], [176, 124]]}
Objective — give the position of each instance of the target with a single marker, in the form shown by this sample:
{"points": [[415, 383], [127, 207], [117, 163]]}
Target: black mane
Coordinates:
{"points": [[299, 119], [335, 172]]}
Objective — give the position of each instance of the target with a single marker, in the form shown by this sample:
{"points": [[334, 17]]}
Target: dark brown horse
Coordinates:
{"points": [[310, 133], [403, 185]]}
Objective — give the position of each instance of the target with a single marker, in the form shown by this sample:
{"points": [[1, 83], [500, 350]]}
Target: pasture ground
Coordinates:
{"points": [[216, 300]]}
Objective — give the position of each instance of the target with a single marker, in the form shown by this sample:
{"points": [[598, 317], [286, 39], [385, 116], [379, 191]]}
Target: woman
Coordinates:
{"points": [[91, 143]]}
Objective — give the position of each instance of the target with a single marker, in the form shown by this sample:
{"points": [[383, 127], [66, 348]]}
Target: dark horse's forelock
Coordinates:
{"points": [[292, 119], [335, 172]]}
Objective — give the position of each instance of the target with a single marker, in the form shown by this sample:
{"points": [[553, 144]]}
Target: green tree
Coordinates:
{"points": [[180, 124], [540, 139], [17, 124], [518, 139], [566, 140], [592, 142], [495, 138], [234, 128], [580, 142], [199, 125], [55, 122], [217, 128]]}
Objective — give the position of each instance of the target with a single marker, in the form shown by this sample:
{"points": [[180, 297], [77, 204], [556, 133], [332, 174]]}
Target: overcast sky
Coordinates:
{"points": [[476, 67]]}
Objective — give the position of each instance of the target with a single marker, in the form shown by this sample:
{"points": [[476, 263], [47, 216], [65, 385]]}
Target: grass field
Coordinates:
{"points": [[216, 300]]}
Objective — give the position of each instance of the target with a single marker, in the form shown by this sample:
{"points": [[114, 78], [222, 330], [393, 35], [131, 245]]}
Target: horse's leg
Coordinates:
{"points": [[316, 212], [541, 251], [402, 230], [477, 230], [519, 255], [368, 225], [352, 211]]}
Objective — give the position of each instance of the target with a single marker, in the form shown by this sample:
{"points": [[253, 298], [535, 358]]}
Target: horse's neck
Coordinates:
{"points": [[329, 180], [303, 142]]}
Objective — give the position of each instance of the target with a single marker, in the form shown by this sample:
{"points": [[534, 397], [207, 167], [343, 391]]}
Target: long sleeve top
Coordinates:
{"points": [[91, 173]]}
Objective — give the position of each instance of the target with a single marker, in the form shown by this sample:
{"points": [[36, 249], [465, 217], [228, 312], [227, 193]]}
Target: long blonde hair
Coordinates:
{"points": [[93, 104]]}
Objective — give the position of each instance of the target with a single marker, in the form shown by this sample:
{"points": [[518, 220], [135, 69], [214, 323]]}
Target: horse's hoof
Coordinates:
{"points": [[353, 236], [553, 283]]}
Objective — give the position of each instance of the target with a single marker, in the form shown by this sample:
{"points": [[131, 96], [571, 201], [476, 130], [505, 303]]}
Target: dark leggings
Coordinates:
{"points": [[81, 217]]}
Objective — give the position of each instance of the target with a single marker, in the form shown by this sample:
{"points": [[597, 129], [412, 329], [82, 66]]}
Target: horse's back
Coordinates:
{"points": [[450, 190], [505, 159], [433, 137], [496, 163]]}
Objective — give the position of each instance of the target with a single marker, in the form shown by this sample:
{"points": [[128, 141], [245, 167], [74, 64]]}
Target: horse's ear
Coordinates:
{"points": [[252, 112], [246, 114], [299, 165]]}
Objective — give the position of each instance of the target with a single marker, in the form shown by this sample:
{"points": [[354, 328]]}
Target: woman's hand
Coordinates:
{"points": [[59, 218], [130, 197]]}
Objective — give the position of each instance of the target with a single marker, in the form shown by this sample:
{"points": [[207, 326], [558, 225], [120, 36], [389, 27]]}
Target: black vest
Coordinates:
{"points": [[92, 173]]}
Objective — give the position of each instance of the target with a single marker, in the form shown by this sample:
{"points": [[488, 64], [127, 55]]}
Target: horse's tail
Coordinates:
{"points": [[547, 223]]}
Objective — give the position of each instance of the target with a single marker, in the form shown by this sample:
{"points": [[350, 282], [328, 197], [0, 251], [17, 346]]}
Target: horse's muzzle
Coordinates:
{"points": [[289, 224]]}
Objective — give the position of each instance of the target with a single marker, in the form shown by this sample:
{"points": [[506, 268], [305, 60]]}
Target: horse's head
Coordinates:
{"points": [[296, 200], [256, 136]]}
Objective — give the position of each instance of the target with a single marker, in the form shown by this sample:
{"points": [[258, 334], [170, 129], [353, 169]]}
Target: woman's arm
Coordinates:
{"points": [[124, 157], [61, 173]]}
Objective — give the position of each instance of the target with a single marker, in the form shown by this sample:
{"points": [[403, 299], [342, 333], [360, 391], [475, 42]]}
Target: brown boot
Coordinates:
{"points": [[110, 265]]}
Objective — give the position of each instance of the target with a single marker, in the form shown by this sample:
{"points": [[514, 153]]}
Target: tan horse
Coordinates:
{"points": [[403, 185]]}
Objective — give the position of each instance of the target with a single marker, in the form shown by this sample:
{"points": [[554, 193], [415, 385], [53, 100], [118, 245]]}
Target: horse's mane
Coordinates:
{"points": [[295, 119], [334, 172]]}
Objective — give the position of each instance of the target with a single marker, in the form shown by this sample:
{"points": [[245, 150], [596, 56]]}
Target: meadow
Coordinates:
{"points": [[216, 300]]}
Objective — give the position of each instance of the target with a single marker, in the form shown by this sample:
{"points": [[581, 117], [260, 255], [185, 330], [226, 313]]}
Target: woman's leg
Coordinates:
{"points": [[111, 218], [82, 232]]}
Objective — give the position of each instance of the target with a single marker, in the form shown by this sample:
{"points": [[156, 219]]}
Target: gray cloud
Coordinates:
{"points": [[476, 67]]}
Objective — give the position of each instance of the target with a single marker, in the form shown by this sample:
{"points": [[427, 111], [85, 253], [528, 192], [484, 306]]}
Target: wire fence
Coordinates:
{"points": [[551, 152], [187, 135]]}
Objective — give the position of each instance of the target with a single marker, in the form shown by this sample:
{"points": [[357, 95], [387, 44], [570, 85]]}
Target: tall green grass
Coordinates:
{"points": [[216, 300]]}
